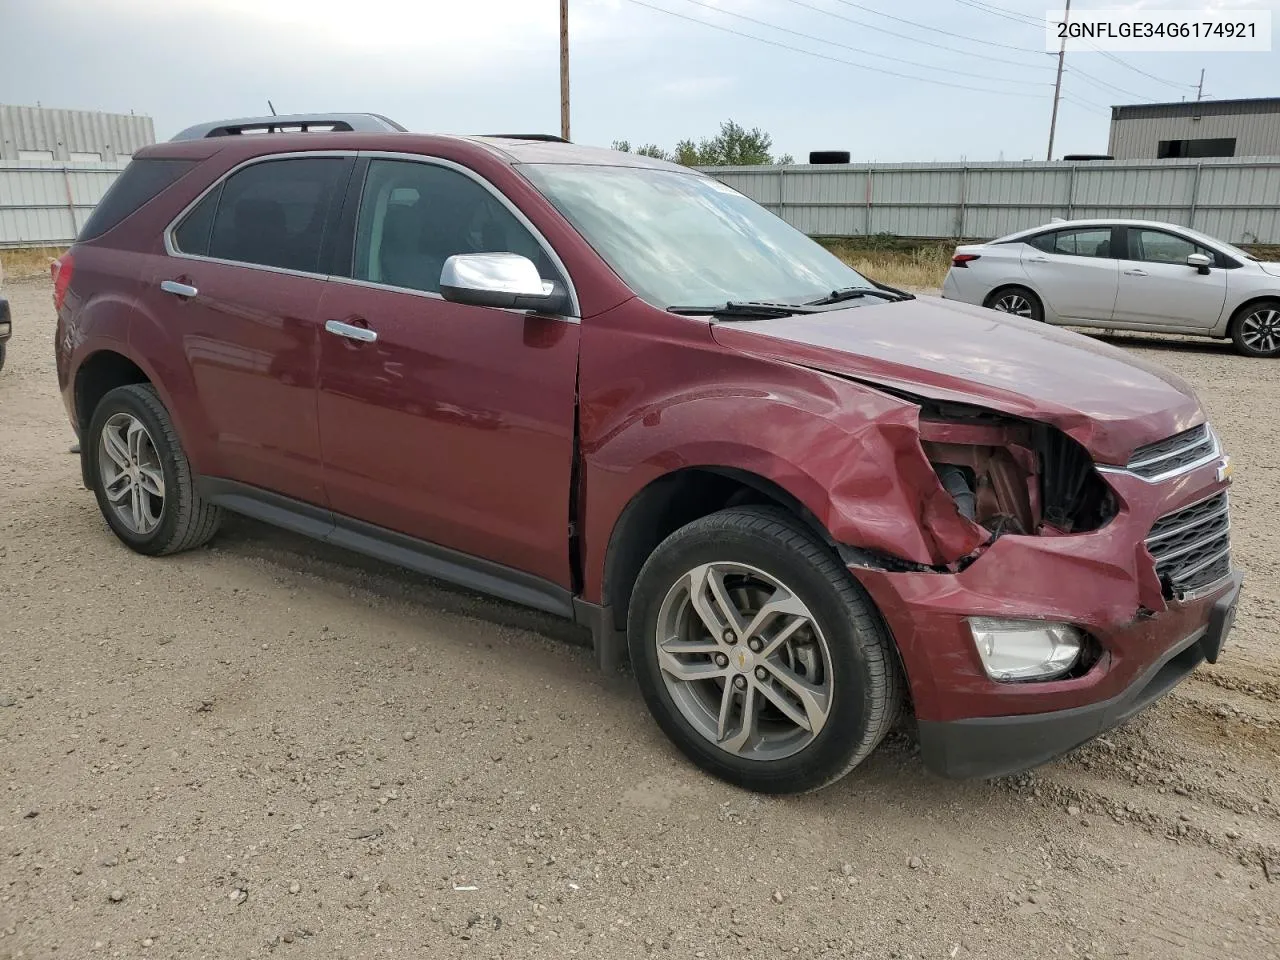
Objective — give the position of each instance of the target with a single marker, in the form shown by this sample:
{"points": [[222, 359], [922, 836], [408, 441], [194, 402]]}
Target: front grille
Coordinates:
{"points": [[1169, 456], [1192, 547]]}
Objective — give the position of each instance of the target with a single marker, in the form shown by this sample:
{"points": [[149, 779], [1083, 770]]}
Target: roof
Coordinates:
{"points": [[1108, 222], [1196, 108], [510, 150], [542, 151]]}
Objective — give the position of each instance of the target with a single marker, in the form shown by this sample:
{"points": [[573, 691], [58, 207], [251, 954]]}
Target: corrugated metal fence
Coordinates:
{"points": [[46, 204], [1233, 199]]}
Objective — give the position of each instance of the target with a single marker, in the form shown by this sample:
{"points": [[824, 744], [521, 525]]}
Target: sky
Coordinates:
{"points": [[866, 77]]}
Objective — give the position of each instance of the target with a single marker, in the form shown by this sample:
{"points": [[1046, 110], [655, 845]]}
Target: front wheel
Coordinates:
{"points": [[3, 347], [1255, 329], [758, 654], [1019, 301]]}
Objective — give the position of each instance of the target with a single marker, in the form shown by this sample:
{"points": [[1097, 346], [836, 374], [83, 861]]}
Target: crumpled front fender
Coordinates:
{"points": [[848, 453]]}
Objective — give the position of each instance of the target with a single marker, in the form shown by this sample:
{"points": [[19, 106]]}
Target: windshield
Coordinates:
{"points": [[681, 238]]}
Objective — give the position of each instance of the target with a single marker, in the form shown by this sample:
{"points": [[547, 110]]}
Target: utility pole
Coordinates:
{"points": [[1057, 86], [564, 69], [1200, 86]]}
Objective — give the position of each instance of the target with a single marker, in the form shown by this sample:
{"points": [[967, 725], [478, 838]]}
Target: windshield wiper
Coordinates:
{"points": [[853, 293], [744, 310]]}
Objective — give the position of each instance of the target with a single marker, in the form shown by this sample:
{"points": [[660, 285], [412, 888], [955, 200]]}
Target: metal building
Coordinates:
{"points": [[39, 135], [55, 165], [1196, 129]]}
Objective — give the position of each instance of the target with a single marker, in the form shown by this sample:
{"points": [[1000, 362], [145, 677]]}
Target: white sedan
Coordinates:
{"points": [[1127, 275]]}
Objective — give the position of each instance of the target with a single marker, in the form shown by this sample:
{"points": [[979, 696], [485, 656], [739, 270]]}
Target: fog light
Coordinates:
{"points": [[1014, 650]]}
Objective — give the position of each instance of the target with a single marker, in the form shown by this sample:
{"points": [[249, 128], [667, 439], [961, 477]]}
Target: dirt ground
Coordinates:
{"points": [[269, 748]]}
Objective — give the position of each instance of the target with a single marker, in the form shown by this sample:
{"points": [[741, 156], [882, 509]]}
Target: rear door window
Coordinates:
{"points": [[141, 181], [192, 235], [1090, 242], [272, 214]]}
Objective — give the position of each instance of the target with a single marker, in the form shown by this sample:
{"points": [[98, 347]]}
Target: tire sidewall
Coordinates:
{"points": [[129, 400], [1237, 330], [830, 752], [1037, 306]]}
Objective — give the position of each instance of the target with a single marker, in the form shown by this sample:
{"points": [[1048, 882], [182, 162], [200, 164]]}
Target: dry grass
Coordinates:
{"points": [[28, 261], [919, 266]]}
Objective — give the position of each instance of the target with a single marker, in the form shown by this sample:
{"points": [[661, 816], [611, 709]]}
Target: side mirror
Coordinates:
{"points": [[505, 280], [1199, 261]]}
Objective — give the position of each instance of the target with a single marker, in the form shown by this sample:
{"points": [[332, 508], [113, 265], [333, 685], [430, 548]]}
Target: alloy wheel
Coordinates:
{"points": [[132, 477], [744, 661], [1260, 330], [1014, 303]]}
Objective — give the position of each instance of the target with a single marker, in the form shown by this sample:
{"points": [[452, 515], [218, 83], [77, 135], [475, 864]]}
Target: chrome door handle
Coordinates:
{"points": [[350, 331], [1135, 273], [178, 289]]}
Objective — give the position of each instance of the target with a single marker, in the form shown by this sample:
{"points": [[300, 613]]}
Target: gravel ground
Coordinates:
{"points": [[270, 748]]}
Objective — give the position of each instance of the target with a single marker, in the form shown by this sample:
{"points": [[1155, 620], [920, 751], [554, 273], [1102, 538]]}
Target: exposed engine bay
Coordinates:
{"points": [[1011, 476]]}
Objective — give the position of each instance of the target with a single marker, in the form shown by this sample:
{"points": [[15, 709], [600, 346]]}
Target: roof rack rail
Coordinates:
{"points": [[293, 123], [546, 137]]}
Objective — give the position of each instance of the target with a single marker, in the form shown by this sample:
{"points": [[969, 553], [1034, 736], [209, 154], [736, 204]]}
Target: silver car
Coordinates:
{"points": [[1128, 275]]}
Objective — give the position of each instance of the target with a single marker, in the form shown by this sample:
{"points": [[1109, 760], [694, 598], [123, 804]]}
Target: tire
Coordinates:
{"points": [[3, 349], [844, 650], [1255, 329], [1019, 301], [172, 516]]}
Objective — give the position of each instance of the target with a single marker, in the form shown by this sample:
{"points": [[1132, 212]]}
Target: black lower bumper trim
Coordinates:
{"points": [[996, 746]]}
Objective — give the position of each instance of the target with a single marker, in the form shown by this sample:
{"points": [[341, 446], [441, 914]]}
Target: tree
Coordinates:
{"points": [[648, 150], [733, 146]]}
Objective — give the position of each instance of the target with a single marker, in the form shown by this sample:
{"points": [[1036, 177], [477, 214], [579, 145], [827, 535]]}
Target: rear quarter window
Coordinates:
{"points": [[140, 182]]}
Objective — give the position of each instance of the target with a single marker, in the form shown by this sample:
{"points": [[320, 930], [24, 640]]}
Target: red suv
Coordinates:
{"points": [[615, 389]]}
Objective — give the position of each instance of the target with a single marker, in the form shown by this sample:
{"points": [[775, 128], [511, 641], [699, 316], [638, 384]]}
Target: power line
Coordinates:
{"points": [[823, 56], [1088, 102], [1031, 21], [928, 43], [1066, 98], [836, 43], [1014, 15], [945, 33], [1105, 85], [1124, 63]]}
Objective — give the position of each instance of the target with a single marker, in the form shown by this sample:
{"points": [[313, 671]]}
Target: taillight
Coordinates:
{"points": [[962, 259], [61, 270]]}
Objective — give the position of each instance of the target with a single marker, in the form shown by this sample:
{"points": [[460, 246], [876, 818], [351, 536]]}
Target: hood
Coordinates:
{"points": [[1108, 400], [1271, 269]]}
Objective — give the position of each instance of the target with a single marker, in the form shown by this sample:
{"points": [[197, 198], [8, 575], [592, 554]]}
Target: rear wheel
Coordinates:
{"points": [[3, 346], [1255, 329], [757, 653], [1016, 300], [141, 476]]}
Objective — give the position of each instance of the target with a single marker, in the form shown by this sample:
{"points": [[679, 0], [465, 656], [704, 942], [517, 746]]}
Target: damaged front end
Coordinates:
{"points": [[1008, 476], [974, 475], [1040, 589]]}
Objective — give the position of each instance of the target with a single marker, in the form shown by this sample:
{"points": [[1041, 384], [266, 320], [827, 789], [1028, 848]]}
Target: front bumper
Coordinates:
{"points": [[1103, 582], [995, 746]]}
